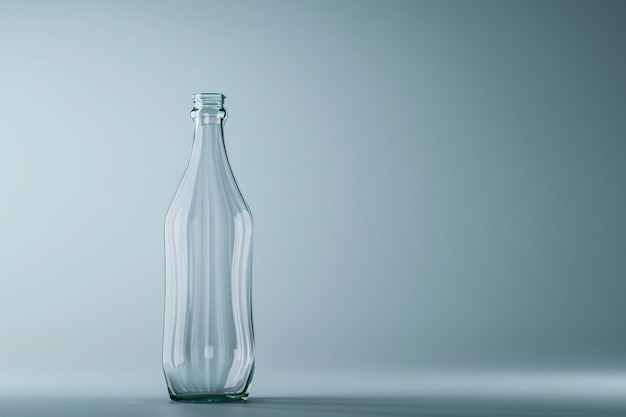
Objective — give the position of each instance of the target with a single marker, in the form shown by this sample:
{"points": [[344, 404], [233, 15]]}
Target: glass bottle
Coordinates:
{"points": [[208, 342]]}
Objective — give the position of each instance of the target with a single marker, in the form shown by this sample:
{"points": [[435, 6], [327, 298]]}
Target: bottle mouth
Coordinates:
{"points": [[208, 99], [208, 108]]}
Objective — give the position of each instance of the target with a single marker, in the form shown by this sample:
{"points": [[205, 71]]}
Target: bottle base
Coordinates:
{"points": [[209, 398]]}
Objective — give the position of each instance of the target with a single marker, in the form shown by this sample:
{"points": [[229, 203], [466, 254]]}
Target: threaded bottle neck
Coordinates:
{"points": [[208, 108], [208, 99]]}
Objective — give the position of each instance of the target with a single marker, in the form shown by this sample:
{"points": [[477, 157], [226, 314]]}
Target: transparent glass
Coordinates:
{"points": [[208, 341]]}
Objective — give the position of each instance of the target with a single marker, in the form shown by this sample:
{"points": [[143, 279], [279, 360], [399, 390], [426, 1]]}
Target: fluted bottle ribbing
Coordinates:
{"points": [[208, 342]]}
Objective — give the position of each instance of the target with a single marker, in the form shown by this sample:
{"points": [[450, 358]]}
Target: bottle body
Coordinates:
{"points": [[208, 342]]}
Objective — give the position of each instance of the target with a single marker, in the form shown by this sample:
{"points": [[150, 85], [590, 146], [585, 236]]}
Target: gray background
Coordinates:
{"points": [[438, 190]]}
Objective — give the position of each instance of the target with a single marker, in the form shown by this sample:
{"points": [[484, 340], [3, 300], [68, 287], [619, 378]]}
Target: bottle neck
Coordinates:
{"points": [[208, 153], [208, 139], [208, 109], [208, 173]]}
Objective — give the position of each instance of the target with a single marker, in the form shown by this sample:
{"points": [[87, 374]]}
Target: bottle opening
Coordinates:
{"points": [[208, 99], [208, 108]]}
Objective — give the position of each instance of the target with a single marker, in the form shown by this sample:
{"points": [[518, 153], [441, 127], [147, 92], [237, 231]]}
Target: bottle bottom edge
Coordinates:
{"points": [[209, 398]]}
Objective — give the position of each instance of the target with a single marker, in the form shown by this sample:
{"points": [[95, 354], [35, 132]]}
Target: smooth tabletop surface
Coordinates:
{"points": [[307, 407]]}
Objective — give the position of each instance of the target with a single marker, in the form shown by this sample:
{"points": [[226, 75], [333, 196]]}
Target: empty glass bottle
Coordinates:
{"points": [[208, 343]]}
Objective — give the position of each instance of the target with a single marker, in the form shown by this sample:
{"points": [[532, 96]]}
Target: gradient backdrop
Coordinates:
{"points": [[439, 190]]}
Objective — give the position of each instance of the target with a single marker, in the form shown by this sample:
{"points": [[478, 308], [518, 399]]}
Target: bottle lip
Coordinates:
{"points": [[208, 99]]}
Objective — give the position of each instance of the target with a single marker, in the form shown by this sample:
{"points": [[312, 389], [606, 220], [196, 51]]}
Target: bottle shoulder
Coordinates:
{"points": [[208, 186]]}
